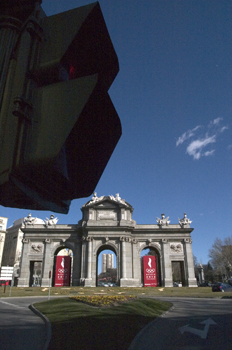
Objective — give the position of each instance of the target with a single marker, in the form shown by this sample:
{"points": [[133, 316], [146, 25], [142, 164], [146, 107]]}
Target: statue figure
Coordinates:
{"points": [[52, 221], [95, 199], [185, 221], [29, 220], [118, 199], [163, 221]]}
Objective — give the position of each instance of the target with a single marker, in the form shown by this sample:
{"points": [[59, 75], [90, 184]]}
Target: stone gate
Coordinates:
{"points": [[107, 224]]}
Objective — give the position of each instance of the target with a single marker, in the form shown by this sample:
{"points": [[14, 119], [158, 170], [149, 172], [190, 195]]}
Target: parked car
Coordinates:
{"points": [[205, 284], [221, 287], [177, 284]]}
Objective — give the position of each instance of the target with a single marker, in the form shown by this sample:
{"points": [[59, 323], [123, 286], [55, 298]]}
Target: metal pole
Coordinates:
{"points": [[10, 288], [50, 273]]}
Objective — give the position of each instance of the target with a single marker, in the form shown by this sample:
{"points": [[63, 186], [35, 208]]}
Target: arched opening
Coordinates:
{"points": [[178, 275], [107, 267], [62, 267], [35, 274], [151, 251]]}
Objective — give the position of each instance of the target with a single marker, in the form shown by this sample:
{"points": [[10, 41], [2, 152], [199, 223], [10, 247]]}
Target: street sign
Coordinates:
{"points": [[6, 273]]}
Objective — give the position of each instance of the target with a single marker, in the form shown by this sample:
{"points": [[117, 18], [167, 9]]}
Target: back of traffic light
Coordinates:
{"points": [[57, 120]]}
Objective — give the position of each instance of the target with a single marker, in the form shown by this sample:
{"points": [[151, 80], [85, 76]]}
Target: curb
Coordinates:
{"points": [[47, 324]]}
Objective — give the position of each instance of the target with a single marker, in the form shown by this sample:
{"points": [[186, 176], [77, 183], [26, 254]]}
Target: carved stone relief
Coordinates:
{"points": [[36, 248], [176, 247], [106, 215]]}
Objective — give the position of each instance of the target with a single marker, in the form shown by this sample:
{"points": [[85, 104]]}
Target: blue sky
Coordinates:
{"points": [[173, 95]]}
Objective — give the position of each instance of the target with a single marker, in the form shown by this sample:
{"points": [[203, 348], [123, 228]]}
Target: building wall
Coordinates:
{"points": [[13, 244], [107, 262], [3, 225], [12, 250]]}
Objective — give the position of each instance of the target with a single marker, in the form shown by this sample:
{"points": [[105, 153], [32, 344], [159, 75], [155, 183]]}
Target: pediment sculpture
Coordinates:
{"points": [[163, 221], [51, 222], [185, 221]]}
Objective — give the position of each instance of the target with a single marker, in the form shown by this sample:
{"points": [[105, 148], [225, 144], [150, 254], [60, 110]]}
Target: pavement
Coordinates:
{"points": [[191, 324], [22, 327]]}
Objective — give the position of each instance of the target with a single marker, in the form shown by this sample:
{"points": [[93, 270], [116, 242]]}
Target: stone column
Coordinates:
{"points": [[127, 279], [47, 263], [23, 280], [89, 269], [190, 273], [76, 265], [136, 264], [167, 264], [88, 280], [123, 260], [201, 273]]}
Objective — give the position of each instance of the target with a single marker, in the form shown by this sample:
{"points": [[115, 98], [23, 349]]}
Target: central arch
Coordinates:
{"points": [[112, 276]]}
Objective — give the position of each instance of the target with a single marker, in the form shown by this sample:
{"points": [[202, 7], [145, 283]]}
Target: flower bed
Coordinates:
{"points": [[104, 300]]}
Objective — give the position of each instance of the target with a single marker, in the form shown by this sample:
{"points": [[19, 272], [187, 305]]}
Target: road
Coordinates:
{"points": [[192, 324], [20, 328]]}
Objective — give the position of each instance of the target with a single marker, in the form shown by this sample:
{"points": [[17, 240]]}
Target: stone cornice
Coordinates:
{"points": [[162, 230], [42, 229]]}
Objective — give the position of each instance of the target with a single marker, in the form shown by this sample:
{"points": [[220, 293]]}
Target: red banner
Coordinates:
{"points": [[63, 271], [149, 271]]}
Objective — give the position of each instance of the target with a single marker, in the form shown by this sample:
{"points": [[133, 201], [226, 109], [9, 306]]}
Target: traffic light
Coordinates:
{"points": [[58, 126]]}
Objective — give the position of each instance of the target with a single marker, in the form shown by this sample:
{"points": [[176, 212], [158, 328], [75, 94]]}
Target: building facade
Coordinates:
{"points": [[107, 224], [13, 245], [107, 262], [3, 225]]}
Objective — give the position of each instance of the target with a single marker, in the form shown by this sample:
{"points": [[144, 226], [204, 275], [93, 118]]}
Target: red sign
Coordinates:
{"points": [[63, 271], [149, 271]]}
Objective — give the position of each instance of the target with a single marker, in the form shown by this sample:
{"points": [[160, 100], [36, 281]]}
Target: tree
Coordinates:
{"points": [[209, 273], [221, 257], [196, 266], [195, 261]]}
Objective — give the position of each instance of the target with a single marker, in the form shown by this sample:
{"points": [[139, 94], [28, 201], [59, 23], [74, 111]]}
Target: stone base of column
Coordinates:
{"points": [[129, 282], [192, 282], [88, 282], [23, 282], [45, 282], [168, 282]]}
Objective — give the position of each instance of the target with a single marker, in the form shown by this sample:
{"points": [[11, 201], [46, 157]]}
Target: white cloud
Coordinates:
{"points": [[216, 121], [186, 135], [209, 153], [199, 140], [224, 128], [195, 148]]}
